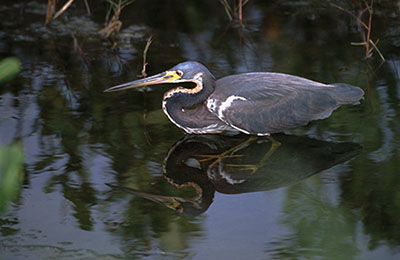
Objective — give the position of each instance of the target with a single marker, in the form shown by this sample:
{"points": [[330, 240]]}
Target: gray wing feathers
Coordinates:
{"points": [[272, 102]]}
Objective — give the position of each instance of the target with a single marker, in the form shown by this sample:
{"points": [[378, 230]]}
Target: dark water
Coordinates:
{"points": [[330, 190]]}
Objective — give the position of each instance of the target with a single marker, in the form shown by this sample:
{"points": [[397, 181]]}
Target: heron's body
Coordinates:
{"points": [[258, 103]]}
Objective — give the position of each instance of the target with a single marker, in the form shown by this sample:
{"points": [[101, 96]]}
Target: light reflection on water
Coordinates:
{"points": [[77, 138]]}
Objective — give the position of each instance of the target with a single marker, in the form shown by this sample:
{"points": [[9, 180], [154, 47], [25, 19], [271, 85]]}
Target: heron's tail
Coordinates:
{"points": [[347, 94]]}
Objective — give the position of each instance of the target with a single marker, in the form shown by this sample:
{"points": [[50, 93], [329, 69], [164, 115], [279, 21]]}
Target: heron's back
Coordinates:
{"points": [[263, 102]]}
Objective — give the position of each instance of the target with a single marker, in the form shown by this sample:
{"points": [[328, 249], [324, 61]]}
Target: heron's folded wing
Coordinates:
{"points": [[262, 103]]}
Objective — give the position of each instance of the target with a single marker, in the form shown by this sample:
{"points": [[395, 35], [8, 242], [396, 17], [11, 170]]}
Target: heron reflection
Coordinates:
{"points": [[239, 164]]}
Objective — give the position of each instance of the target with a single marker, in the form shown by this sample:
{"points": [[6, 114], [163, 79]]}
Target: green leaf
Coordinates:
{"points": [[9, 68], [11, 173]]}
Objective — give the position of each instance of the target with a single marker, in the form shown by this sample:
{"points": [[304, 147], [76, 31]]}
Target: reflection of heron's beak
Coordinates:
{"points": [[164, 77], [174, 203]]}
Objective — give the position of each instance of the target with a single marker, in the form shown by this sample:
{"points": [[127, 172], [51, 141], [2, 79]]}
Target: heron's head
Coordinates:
{"points": [[189, 71]]}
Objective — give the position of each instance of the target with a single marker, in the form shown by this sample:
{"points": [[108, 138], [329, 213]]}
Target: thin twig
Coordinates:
{"points": [[226, 4], [149, 41], [51, 6], [63, 9], [369, 29], [348, 12], [87, 7], [358, 43], [376, 48], [228, 9], [78, 49], [240, 12], [360, 15], [144, 74]]}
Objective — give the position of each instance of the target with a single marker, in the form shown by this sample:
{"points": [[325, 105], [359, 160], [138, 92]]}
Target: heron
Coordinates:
{"points": [[255, 103]]}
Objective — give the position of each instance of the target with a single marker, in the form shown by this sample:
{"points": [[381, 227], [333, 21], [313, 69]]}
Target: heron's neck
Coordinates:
{"points": [[178, 106]]}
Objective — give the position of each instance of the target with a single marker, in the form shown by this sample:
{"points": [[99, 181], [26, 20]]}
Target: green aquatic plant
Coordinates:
{"points": [[113, 24], [11, 173], [9, 68]]}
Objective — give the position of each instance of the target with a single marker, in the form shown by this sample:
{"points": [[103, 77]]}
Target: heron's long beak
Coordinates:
{"points": [[164, 77]]}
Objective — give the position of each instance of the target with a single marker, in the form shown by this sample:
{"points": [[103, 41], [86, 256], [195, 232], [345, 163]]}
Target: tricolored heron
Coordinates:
{"points": [[257, 103]]}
